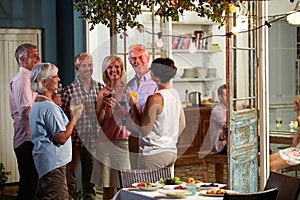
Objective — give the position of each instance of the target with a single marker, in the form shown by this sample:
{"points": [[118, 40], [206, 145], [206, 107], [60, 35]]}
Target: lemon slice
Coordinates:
{"points": [[135, 94]]}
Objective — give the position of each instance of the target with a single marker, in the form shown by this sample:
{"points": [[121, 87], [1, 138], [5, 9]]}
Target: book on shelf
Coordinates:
{"points": [[174, 42], [179, 42], [203, 40], [182, 41], [187, 42]]}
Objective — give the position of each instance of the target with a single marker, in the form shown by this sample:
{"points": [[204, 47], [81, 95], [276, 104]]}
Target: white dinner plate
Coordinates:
{"points": [[205, 186], [154, 187], [176, 194], [148, 188], [204, 193]]}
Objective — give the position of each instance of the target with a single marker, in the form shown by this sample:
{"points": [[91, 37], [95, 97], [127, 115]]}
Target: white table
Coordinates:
{"points": [[135, 194]]}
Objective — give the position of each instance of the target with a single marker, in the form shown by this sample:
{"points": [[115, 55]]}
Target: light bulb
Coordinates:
{"points": [[232, 8], [159, 43], [294, 18]]}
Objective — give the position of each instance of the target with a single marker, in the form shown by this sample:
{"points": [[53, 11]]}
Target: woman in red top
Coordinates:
{"points": [[112, 148]]}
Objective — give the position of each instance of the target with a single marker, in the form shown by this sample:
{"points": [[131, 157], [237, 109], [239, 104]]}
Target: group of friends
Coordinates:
{"points": [[91, 123]]}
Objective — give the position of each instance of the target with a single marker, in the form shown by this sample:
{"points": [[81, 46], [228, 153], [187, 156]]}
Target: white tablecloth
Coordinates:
{"points": [[135, 194]]}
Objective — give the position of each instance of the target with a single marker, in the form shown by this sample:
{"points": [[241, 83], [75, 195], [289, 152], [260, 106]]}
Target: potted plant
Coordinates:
{"points": [[3, 176]]}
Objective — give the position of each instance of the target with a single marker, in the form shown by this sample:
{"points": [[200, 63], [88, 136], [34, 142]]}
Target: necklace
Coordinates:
{"points": [[45, 97]]}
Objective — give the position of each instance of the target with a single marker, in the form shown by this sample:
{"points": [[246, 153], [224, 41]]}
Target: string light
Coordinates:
{"points": [[294, 16], [235, 30], [159, 43], [232, 8]]}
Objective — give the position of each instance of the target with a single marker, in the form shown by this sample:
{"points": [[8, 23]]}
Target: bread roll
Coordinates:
{"points": [[190, 180]]}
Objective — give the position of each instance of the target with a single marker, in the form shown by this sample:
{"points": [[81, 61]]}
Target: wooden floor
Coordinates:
{"points": [[196, 172]]}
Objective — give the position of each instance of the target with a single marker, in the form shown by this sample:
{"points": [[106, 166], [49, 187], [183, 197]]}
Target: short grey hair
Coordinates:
{"points": [[22, 51], [136, 47], [78, 57], [40, 72]]}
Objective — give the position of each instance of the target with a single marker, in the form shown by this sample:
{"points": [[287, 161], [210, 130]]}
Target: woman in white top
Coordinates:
{"points": [[162, 120]]}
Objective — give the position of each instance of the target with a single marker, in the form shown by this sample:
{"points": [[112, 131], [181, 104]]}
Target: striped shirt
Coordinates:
{"points": [[87, 128]]}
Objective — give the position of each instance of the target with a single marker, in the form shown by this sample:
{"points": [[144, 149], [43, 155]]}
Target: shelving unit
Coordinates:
{"points": [[198, 51], [195, 79], [207, 55]]}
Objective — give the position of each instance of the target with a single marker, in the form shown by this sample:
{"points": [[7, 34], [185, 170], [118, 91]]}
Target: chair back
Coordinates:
{"points": [[288, 186], [270, 194], [129, 176]]}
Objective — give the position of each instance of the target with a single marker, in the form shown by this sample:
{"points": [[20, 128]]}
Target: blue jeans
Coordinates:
{"points": [[27, 171]]}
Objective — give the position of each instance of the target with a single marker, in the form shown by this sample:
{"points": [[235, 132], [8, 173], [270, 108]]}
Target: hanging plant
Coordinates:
{"points": [[126, 11]]}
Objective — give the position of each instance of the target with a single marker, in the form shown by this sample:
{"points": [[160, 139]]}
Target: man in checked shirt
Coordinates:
{"points": [[83, 90]]}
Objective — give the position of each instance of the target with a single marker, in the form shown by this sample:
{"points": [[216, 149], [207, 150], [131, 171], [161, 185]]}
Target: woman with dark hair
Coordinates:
{"points": [[162, 120], [50, 131]]}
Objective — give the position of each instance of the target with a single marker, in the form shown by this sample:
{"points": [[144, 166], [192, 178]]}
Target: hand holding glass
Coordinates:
{"points": [[132, 97], [76, 108]]}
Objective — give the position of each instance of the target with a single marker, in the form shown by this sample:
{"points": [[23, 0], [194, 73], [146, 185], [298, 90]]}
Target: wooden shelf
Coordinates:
{"points": [[194, 79], [198, 51]]}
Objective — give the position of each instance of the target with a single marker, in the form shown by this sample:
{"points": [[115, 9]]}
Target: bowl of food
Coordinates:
{"points": [[171, 181]]}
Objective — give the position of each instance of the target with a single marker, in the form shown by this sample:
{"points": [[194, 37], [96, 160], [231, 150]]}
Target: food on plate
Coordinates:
{"points": [[192, 180], [176, 192], [171, 181], [179, 187], [209, 185], [146, 184], [219, 191]]}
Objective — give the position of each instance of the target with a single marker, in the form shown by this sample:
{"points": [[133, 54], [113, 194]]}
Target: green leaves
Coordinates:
{"points": [[3, 175], [126, 11]]}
